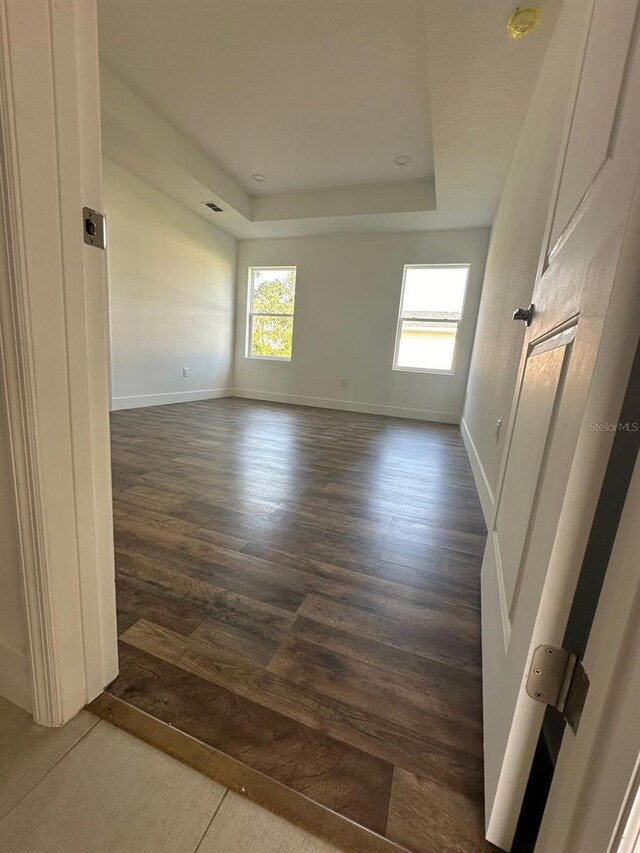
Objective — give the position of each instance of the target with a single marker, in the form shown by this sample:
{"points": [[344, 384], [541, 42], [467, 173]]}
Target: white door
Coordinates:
{"points": [[574, 367]]}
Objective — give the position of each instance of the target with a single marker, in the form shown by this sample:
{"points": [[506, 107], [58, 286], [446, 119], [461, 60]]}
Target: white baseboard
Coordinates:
{"points": [[482, 483], [144, 400], [348, 406], [15, 678]]}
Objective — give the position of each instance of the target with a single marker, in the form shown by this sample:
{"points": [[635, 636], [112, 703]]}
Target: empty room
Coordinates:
{"points": [[321, 424]]}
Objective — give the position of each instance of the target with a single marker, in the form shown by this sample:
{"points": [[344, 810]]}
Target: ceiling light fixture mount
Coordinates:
{"points": [[258, 177], [523, 21], [402, 160]]}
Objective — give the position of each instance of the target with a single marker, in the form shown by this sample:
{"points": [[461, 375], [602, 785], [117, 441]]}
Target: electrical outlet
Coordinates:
{"points": [[185, 372], [343, 381], [498, 428]]}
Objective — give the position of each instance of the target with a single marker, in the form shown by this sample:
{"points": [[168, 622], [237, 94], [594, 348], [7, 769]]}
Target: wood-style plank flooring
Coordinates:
{"points": [[299, 588]]}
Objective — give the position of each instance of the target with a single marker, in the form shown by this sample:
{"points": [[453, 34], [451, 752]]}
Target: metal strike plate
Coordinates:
{"points": [[557, 678], [93, 228]]}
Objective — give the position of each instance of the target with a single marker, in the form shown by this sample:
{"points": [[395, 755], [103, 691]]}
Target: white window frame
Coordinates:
{"points": [[251, 314], [457, 323]]}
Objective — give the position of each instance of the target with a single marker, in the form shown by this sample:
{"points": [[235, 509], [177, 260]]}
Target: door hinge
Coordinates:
{"points": [[93, 230], [557, 678]]}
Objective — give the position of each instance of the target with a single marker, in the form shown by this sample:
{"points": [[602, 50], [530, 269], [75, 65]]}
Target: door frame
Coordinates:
{"points": [[53, 330], [596, 784]]}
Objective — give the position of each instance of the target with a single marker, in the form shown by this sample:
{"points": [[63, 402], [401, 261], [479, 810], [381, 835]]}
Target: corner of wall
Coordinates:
{"points": [[234, 321], [163, 314]]}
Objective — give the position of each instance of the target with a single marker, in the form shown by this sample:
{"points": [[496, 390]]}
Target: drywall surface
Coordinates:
{"points": [[347, 300], [514, 251], [171, 293], [15, 671]]}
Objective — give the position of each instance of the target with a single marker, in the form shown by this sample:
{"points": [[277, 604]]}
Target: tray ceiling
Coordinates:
{"points": [[319, 97]]}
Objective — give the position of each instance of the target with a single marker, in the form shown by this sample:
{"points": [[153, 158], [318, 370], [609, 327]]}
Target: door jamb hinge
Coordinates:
{"points": [[557, 678]]}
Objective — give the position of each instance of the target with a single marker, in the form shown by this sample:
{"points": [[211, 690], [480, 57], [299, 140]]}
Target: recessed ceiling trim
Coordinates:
{"points": [[475, 128], [388, 197], [155, 134], [279, 89], [137, 138]]}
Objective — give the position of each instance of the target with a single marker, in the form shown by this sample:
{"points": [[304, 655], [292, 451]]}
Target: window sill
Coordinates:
{"points": [[269, 358], [424, 370]]}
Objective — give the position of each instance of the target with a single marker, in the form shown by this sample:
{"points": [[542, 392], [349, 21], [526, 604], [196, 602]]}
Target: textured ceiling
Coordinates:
{"points": [[310, 93], [319, 96]]}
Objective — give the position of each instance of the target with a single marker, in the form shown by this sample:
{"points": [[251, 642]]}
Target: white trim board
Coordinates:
{"points": [[485, 492], [54, 350], [15, 678], [348, 406], [144, 400]]}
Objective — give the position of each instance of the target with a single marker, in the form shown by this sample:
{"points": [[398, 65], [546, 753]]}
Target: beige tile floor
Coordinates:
{"points": [[92, 787]]}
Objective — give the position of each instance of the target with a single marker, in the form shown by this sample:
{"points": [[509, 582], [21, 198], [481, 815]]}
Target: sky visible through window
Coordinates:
{"points": [[434, 289], [431, 308], [264, 276]]}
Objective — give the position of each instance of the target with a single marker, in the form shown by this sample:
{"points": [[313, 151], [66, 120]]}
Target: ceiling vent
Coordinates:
{"points": [[213, 206]]}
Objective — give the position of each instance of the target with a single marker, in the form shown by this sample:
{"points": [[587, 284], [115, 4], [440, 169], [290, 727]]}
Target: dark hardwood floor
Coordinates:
{"points": [[299, 588]]}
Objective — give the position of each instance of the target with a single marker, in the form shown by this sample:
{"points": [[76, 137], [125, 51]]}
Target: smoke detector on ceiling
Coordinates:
{"points": [[523, 21]]}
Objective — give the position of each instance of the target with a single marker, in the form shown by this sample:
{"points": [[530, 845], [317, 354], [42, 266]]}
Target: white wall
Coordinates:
{"points": [[15, 669], [172, 291], [514, 251], [347, 300]]}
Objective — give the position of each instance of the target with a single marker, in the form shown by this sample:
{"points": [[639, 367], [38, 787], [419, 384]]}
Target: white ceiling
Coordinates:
{"points": [[319, 96], [316, 93]]}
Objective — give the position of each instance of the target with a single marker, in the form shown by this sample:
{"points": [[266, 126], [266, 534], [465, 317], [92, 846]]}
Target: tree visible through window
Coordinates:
{"points": [[271, 302], [430, 313]]}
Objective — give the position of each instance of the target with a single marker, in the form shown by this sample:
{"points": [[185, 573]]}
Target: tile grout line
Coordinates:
{"points": [[210, 824], [52, 768]]}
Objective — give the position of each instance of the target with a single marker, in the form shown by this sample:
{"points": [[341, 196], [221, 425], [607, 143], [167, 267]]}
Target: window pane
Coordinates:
{"points": [[272, 336], [432, 301], [434, 291], [273, 291], [427, 346]]}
